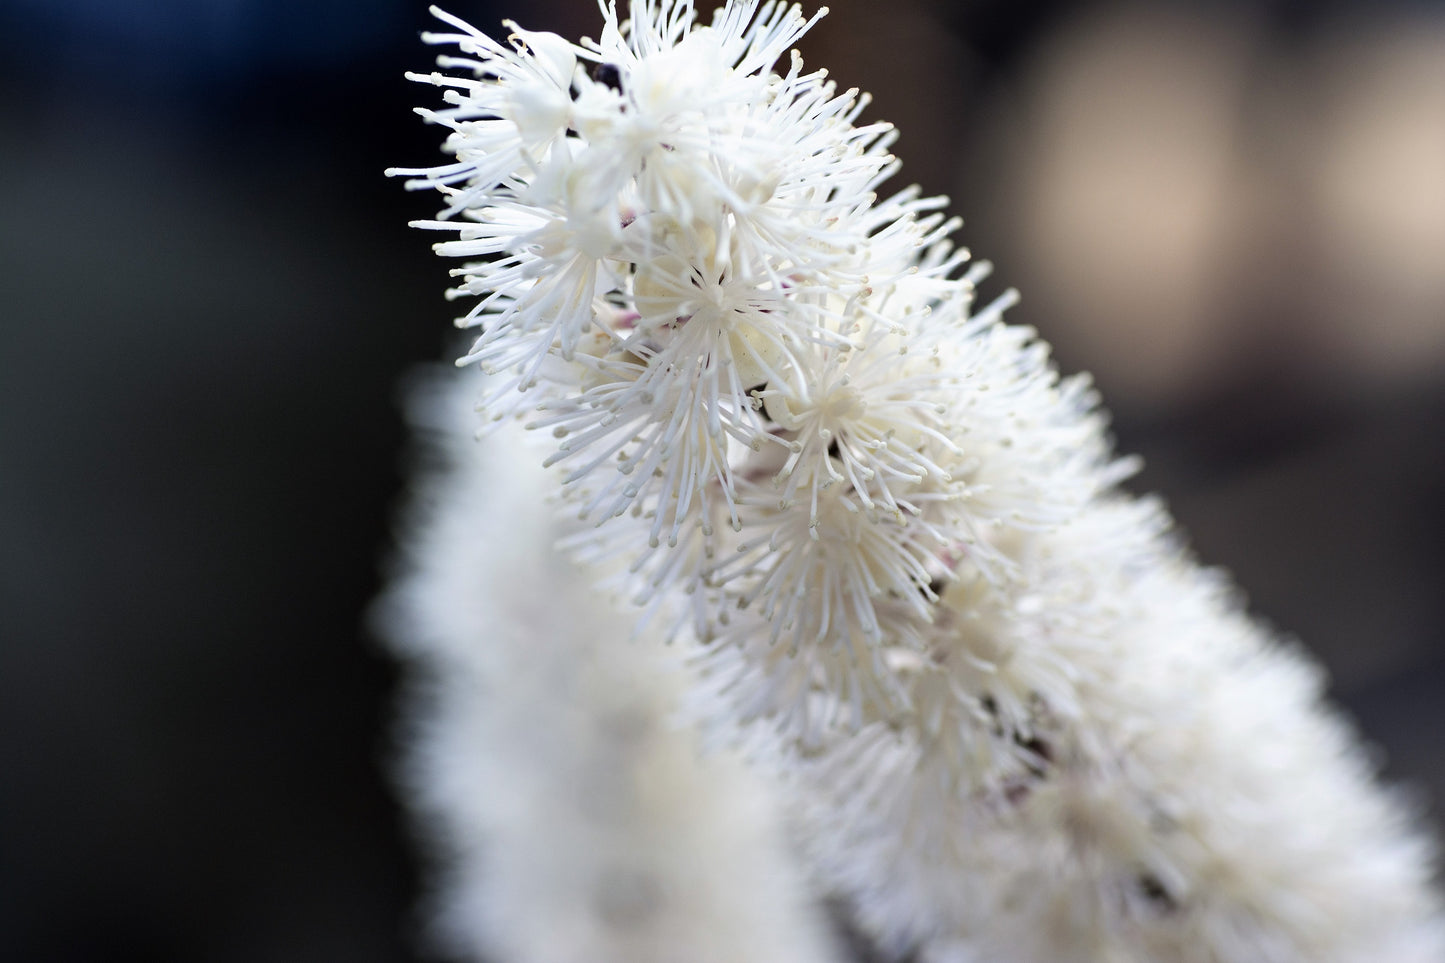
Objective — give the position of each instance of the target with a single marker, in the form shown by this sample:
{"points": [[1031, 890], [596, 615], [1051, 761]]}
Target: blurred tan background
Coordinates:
{"points": [[1233, 214]]}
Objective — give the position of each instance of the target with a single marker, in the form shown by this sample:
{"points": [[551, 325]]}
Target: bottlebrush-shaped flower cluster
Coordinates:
{"points": [[1018, 721], [768, 388]]}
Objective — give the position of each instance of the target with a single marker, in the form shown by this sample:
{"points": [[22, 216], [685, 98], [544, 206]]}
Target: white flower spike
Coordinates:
{"points": [[1018, 722]]}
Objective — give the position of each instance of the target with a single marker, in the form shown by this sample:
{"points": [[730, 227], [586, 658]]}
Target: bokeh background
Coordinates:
{"points": [[1232, 213]]}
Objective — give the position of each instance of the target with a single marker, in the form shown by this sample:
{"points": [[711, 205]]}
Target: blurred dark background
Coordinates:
{"points": [[1232, 213]]}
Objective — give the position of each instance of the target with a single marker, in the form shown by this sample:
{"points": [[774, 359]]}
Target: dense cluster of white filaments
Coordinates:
{"points": [[687, 280], [890, 527]]}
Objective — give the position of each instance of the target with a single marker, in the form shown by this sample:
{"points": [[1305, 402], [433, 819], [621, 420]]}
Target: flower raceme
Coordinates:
{"points": [[685, 276], [1020, 722]]}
